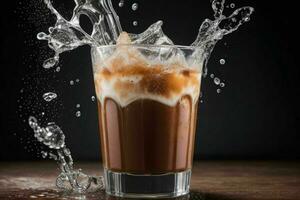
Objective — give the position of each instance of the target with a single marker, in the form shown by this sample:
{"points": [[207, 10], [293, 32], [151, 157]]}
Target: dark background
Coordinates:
{"points": [[255, 117]]}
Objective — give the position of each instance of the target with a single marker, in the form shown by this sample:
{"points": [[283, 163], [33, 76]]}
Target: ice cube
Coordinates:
{"points": [[154, 35]]}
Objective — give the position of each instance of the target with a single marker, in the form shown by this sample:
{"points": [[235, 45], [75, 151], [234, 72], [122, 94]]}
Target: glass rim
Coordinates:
{"points": [[150, 46]]}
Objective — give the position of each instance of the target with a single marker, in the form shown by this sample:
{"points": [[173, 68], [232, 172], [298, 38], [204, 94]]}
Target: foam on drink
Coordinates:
{"points": [[127, 75]]}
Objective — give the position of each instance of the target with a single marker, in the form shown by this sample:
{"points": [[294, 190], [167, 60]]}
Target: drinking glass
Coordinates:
{"points": [[147, 104]]}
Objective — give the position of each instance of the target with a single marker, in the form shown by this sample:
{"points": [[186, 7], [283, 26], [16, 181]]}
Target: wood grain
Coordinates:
{"points": [[243, 180]]}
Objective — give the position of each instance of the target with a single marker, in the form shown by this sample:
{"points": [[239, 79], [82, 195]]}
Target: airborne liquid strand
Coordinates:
{"points": [[69, 179], [67, 35]]}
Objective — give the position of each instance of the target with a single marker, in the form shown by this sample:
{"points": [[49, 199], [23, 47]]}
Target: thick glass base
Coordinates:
{"points": [[147, 186]]}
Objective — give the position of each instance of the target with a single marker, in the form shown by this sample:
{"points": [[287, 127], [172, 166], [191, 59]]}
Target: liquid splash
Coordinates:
{"points": [[67, 35], [211, 31], [69, 179]]}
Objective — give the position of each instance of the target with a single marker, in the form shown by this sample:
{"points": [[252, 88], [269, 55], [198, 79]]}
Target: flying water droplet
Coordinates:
{"points": [[32, 121], [212, 76], [77, 105], [44, 154], [222, 84], [42, 36], [50, 62], [121, 3], [71, 82], [93, 98], [135, 23], [134, 6], [77, 80], [217, 81], [57, 69], [219, 90], [78, 114], [49, 96], [232, 5], [222, 61]]}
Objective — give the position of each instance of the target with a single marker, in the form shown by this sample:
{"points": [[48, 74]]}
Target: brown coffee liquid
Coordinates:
{"points": [[147, 137]]}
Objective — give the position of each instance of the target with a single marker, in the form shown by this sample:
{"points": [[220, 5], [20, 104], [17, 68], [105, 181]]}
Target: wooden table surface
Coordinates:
{"points": [[211, 180]]}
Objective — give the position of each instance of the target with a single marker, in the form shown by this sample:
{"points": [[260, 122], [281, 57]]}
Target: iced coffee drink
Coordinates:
{"points": [[147, 102]]}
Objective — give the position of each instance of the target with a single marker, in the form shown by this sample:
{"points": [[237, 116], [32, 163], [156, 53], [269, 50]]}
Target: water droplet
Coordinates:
{"points": [[49, 96], [222, 61], [134, 6], [42, 36], [32, 122], [219, 91], [93, 98], [77, 80], [222, 84], [22, 90], [232, 5], [135, 23], [50, 29], [217, 81], [77, 105], [71, 82], [247, 19], [43, 113], [57, 69], [212, 76], [121, 3], [33, 197], [50, 62], [78, 114], [44, 154]]}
